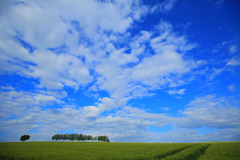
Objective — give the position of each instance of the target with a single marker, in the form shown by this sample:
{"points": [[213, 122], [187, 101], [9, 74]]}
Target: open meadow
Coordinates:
{"points": [[118, 151]]}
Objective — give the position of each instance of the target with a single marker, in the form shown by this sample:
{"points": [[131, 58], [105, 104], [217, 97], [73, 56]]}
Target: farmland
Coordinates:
{"points": [[118, 151]]}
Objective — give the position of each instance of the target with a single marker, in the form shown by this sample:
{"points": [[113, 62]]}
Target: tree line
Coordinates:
{"points": [[79, 137]]}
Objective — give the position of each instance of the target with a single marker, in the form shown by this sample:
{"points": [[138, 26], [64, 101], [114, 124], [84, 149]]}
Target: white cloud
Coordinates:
{"points": [[107, 16], [89, 48], [178, 92], [107, 103], [165, 108], [233, 49], [166, 63], [124, 74], [40, 27], [7, 88], [232, 87], [210, 111], [213, 72], [23, 112], [185, 135], [165, 6], [20, 103], [55, 71], [90, 111], [90, 56], [126, 124], [219, 2], [159, 65], [234, 61]]}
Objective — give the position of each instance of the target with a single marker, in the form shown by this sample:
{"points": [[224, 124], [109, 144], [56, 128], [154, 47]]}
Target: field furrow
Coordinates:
{"points": [[191, 153], [170, 152]]}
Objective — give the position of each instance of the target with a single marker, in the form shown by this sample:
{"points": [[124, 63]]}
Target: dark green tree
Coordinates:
{"points": [[80, 137], [24, 137], [54, 137]]}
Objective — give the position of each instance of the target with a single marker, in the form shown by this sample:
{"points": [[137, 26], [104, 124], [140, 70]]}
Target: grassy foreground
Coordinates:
{"points": [[118, 151]]}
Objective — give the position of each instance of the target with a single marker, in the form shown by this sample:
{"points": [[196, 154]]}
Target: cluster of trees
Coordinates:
{"points": [[103, 138], [24, 137], [79, 137]]}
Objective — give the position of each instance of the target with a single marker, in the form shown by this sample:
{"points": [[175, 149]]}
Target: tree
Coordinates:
{"points": [[89, 137], [80, 137], [54, 137], [24, 137]]}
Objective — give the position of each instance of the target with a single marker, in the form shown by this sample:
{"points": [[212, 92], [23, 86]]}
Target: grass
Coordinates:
{"points": [[222, 151], [85, 150], [113, 151]]}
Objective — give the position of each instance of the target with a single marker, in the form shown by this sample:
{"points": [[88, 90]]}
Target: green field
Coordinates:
{"points": [[118, 151]]}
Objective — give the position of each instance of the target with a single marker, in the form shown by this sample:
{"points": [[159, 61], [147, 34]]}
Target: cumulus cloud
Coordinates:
{"points": [[107, 103], [19, 103], [24, 112], [210, 111], [56, 71], [90, 112], [42, 26], [75, 47]]}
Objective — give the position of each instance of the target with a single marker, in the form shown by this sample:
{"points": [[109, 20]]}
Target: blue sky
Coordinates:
{"points": [[137, 71]]}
